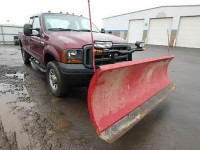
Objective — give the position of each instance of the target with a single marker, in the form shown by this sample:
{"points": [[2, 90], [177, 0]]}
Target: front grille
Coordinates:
{"points": [[104, 58]]}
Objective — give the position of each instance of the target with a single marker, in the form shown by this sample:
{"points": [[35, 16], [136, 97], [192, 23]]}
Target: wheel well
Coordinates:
{"points": [[20, 43], [48, 57]]}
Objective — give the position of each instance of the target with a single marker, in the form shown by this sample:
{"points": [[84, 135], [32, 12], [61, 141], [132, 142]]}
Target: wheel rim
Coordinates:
{"points": [[53, 79]]}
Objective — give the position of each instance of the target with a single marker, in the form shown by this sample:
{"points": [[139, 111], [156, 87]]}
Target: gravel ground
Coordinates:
{"points": [[31, 118]]}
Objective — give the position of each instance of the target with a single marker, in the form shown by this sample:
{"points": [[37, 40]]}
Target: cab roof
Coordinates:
{"points": [[42, 13]]}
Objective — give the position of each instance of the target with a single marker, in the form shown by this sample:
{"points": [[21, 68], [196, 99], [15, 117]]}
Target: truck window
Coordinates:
{"points": [[55, 22], [31, 21], [36, 23]]}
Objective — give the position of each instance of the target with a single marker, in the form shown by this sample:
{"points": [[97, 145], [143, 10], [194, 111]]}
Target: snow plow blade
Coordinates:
{"points": [[121, 94]]}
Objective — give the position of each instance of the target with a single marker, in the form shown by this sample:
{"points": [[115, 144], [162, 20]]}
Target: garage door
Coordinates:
{"points": [[135, 32], [189, 32], [157, 34]]}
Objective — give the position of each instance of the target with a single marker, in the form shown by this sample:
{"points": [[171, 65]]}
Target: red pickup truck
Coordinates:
{"points": [[61, 45]]}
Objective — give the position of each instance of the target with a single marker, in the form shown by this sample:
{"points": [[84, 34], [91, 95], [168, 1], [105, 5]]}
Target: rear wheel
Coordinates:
{"points": [[25, 56], [55, 80]]}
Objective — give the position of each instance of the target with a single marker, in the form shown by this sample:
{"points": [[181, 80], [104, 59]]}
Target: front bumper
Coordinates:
{"points": [[75, 74]]}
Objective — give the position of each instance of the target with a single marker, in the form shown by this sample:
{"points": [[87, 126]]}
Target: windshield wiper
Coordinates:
{"points": [[64, 29], [61, 29], [86, 30]]}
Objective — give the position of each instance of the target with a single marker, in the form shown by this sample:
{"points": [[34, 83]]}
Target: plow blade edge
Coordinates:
{"points": [[121, 94]]}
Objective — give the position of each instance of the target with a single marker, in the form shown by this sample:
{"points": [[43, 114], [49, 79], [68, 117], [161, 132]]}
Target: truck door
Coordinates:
{"points": [[36, 41]]}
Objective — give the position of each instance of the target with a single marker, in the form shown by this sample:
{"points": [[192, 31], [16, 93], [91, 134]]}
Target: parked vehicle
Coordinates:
{"points": [[60, 45], [121, 91], [16, 40]]}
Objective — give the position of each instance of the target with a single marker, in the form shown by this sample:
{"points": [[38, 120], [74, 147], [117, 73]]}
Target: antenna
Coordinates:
{"points": [[168, 41], [94, 67]]}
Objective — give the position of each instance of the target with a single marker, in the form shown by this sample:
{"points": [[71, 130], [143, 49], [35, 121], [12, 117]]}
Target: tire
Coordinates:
{"points": [[55, 80], [25, 56]]}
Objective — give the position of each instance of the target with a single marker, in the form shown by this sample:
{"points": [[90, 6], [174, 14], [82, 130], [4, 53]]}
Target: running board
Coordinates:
{"points": [[37, 65]]}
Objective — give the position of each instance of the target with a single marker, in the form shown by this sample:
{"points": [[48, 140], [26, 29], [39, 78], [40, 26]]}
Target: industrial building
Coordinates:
{"points": [[181, 23], [8, 33]]}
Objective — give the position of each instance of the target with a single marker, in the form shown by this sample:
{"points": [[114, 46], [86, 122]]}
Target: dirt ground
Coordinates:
{"points": [[31, 118]]}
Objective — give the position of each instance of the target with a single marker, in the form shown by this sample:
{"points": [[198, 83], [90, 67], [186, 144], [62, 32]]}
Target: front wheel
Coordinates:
{"points": [[25, 56], [55, 80]]}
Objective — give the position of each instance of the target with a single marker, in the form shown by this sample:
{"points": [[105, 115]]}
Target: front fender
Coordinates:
{"points": [[51, 50]]}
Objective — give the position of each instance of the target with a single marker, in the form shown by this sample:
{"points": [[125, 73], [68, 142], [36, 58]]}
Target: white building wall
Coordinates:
{"points": [[121, 22]]}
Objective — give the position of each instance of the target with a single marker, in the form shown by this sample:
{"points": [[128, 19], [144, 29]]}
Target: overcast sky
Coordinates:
{"points": [[19, 11]]}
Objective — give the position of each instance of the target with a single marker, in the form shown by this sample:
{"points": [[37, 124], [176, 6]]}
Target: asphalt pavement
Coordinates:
{"points": [[31, 118]]}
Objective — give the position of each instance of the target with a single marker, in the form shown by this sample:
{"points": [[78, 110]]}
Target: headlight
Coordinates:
{"points": [[139, 44], [72, 53], [142, 44], [72, 56], [102, 44]]}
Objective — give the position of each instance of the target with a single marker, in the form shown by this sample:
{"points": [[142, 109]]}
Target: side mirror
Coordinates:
{"points": [[103, 30], [28, 29], [139, 44]]}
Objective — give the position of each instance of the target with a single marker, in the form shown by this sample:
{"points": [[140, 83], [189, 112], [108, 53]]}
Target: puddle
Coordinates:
{"points": [[11, 121], [25, 105], [3, 87], [12, 100], [16, 75]]}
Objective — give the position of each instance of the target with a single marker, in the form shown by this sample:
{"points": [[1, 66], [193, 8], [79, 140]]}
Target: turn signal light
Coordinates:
{"points": [[144, 49], [98, 51], [64, 57], [74, 61]]}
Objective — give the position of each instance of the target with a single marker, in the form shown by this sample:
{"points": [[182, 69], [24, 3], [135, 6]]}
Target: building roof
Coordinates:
{"points": [[11, 25], [151, 9]]}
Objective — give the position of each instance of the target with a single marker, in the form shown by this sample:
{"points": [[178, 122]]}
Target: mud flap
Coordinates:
{"points": [[121, 94]]}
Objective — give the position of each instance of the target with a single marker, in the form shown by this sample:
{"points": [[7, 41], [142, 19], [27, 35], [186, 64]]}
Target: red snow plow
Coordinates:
{"points": [[121, 94]]}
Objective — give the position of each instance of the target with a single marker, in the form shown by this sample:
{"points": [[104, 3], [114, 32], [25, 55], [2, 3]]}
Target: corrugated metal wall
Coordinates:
{"points": [[7, 33]]}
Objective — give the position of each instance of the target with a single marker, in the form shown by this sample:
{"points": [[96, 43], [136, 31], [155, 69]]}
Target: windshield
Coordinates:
{"points": [[62, 22]]}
